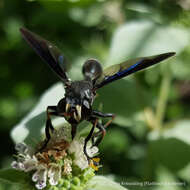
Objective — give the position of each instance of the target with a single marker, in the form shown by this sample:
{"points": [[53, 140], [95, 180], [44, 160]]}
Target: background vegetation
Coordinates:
{"points": [[150, 137]]}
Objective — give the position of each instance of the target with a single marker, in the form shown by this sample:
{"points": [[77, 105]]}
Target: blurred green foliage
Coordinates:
{"points": [[150, 137]]}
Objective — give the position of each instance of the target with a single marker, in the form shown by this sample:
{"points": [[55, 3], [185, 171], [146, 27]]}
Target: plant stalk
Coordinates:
{"points": [[163, 97]]}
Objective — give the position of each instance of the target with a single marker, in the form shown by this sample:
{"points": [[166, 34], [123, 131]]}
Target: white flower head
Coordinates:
{"points": [[76, 147], [55, 161]]}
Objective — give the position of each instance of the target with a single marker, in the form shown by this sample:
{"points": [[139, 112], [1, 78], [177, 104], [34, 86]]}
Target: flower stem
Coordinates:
{"points": [[163, 97]]}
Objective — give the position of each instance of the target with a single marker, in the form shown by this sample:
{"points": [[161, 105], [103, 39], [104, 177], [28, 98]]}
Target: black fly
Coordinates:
{"points": [[76, 106]]}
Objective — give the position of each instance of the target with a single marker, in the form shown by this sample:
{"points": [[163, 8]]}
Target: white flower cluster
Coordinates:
{"points": [[54, 162], [76, 147], [27, 162]]}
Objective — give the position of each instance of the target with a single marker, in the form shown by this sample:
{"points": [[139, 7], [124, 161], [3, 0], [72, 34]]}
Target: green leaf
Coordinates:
{"points": [[103, 183], [172, 147], [180, 68], [167, 179], [88, 17], [4, 185], [31, 128], [145, 38], [184, 173], [117, 141], [179, 130], [13, 179], [64, 5], [125, 98]]}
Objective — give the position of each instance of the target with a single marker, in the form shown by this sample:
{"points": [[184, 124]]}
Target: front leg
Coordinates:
{"points": [[51, 110], [73, 130]]}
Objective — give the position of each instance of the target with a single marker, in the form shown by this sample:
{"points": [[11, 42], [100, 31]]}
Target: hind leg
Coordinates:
{"points": [[94, 122], [102, 128], [102, 132]]}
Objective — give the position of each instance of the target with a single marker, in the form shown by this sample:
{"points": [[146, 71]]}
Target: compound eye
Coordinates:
{"points": [[92, 69]]}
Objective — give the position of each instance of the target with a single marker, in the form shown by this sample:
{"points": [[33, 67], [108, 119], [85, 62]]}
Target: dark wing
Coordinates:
{"points": [[118, 71], [48, 52]]}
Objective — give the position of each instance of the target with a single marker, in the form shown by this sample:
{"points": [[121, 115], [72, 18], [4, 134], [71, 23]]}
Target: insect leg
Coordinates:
{"points": [[73, 130], [100, 114], [51, 110], [94, 122], [102, 131]]}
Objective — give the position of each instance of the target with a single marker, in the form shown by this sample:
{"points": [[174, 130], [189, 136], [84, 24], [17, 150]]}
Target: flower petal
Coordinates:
{"points": [[67, 166], [22, 148], [40, 175], [30, 164], [54, 174], [17, 165], [92, 151], [40, 184]]}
